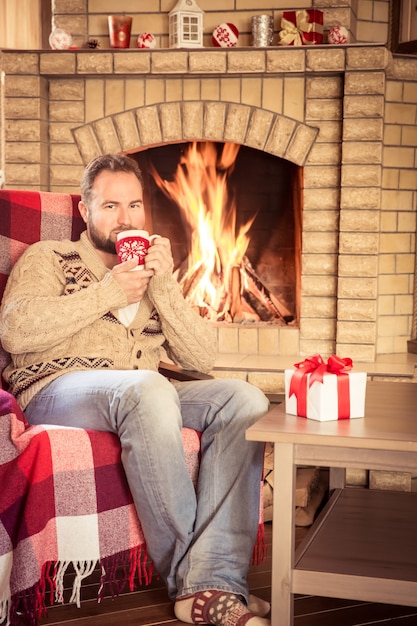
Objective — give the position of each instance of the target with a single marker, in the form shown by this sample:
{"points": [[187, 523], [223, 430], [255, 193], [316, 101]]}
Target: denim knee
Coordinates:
{"points": [[150, 397], [250, 401]]}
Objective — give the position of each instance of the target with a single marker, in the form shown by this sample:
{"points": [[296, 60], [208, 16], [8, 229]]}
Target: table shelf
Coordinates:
{"points": [[365, 533]]}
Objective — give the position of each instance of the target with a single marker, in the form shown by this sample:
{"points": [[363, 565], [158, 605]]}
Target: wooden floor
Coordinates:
{"points": [[150, 606]]}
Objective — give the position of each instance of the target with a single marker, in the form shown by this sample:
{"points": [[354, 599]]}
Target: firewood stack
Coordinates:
{"points": [[311, 486]]}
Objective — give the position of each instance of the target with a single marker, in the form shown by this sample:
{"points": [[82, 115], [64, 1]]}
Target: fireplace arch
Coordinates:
{"points": [[169, 122]]}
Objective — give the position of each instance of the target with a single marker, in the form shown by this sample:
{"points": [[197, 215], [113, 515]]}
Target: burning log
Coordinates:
{"points": [[240, 310], [235, 290], [191, 279], [246, 298], [262, 311], [261, 299], [214, 308]]}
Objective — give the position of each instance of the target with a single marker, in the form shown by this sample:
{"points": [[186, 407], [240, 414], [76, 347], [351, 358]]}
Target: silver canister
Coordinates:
{"points": [[262, 30]]}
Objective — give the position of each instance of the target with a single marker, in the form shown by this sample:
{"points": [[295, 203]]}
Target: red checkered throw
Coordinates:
{"points": [[57, 510]]}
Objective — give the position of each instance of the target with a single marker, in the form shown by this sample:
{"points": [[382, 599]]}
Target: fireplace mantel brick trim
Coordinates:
{"points": [[320, 107]]}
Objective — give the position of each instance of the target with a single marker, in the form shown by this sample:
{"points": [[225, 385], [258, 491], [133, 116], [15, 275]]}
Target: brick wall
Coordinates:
{"points": [[398, 206]]}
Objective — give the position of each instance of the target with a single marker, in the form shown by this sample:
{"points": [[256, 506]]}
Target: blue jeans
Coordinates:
{"points": [[198, 541]]}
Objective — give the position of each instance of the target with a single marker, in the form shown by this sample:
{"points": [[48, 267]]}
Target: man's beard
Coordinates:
{"points": [[100, 242]]}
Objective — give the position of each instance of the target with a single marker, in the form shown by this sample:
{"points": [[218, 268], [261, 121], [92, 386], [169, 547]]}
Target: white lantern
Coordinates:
{"points": [[186, 25]]}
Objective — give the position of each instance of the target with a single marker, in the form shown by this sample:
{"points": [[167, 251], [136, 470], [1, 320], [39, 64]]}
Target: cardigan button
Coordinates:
{"points": [[138, 354]]}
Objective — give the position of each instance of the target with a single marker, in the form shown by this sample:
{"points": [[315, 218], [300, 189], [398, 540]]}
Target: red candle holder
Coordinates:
{"points": [[120, 27]]}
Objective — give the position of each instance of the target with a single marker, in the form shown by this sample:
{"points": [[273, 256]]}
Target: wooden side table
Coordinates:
{"points": [[363, 545]]}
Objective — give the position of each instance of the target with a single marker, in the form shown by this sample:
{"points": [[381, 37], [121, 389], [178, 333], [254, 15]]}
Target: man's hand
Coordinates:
{"points": [[159, 257], [133, 283], [157, 261]]}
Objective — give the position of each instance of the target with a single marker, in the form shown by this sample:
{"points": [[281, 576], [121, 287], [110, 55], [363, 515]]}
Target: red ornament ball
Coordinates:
{"points": [[225, 36], [146, 40], [338, 35], [60, 39]]}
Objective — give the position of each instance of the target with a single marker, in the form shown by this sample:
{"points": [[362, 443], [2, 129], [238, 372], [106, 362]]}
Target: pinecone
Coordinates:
{"points": [[93, 43]]}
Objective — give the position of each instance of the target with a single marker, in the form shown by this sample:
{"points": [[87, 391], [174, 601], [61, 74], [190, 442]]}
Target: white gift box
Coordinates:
{"points": [[322, 397]]}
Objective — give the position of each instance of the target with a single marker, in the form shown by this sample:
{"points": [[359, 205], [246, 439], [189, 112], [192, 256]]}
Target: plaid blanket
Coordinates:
{"points": [[56, 510], [30, 216]]}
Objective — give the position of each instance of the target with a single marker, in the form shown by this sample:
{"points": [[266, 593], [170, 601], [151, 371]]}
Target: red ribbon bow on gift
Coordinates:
{"points": [[315, 366]]}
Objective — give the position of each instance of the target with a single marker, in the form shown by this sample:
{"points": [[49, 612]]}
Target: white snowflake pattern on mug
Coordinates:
{"points": [[132, 249]]}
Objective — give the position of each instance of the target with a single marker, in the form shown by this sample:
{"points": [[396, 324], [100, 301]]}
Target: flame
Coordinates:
{"points": [[200, 190]]}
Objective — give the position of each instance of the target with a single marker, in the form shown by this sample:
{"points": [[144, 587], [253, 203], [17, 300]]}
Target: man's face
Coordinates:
{"points": [[116, 205]]}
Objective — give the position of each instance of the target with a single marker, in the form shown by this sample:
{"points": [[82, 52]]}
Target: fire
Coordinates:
{"points": [[214, 268]]}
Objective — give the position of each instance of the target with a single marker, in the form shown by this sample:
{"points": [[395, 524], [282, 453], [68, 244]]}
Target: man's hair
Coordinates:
{"points": [[110, 163]]}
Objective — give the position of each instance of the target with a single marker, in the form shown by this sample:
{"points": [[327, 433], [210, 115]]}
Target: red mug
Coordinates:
{"points": [[134, 244]]}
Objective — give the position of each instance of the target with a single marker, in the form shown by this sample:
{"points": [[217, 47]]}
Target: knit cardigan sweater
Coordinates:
{"points": [[59, 314]]}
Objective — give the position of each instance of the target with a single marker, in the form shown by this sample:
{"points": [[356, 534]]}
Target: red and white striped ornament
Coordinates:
{"points": [[225, 36], [146, 40], [338, 35]]}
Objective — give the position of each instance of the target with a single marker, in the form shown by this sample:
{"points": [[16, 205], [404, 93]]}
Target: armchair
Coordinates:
{"points": [[64, 499]]}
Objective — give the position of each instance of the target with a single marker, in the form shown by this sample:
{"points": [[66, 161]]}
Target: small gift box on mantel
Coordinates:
{"points": [[301, 28], [325, 391]]}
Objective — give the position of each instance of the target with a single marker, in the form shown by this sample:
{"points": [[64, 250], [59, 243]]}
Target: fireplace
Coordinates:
{"points": [[233, 215], [321, 113]]}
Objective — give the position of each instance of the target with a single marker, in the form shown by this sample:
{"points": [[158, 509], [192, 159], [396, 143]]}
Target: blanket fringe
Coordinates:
{"points": [[59, 573], [83, 569], [25, 603], [133, 564], [260, 548], [4, 612], [130, 567]]}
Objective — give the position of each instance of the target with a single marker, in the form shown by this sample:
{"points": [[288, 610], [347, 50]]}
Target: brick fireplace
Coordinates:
{"points": [[330, 110]]}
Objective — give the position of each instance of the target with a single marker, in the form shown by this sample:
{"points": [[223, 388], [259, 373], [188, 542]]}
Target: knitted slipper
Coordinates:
{"points": [[216, 607]]}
